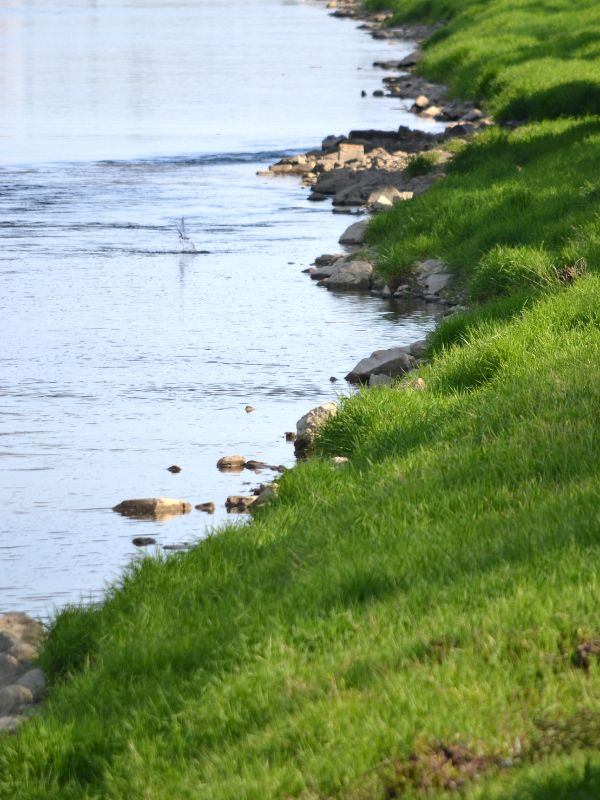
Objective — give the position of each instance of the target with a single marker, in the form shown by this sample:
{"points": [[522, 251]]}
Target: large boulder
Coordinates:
{"points": [[349, 275], [153, 508], [310, 424], [393, 362], [355, 234]]}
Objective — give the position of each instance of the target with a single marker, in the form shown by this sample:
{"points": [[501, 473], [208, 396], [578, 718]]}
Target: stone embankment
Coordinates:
{"points": [[22, 683]]}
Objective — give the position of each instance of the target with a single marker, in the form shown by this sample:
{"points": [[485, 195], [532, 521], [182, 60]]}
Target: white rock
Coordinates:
{"points": [[392, 362]]}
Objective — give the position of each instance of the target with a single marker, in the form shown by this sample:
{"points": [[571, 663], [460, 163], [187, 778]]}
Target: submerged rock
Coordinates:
{"points": [[309, 425], [207, 508], [143, 541], [391, 363], [153, 508]]}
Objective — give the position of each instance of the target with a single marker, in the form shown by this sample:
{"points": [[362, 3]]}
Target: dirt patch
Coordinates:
{"points": [[439, 766], [582, 657]]}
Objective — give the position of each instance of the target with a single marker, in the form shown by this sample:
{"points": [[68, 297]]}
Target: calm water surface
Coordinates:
{"points": [[121, 355]]}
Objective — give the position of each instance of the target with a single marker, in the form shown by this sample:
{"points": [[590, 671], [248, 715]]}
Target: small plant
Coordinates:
{"points": [[569, 273], [421, 164]]}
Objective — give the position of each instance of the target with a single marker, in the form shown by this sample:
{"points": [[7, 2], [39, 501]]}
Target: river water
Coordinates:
{"points": [[119, 354]]}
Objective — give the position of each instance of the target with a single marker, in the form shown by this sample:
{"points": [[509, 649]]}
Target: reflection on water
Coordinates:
{"points": [[121, 355]]}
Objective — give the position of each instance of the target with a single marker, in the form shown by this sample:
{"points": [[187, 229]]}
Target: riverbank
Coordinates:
{"points": [[423, 617]]}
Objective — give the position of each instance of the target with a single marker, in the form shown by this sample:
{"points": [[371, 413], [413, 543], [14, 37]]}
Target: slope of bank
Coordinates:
{"points": [[423, 618]]}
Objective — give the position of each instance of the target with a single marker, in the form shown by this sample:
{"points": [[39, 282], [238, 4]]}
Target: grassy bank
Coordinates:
{"points": [[410, 622]]}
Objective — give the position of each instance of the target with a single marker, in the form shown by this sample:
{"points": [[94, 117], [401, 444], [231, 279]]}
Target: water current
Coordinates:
{"points": [[119, 354]]}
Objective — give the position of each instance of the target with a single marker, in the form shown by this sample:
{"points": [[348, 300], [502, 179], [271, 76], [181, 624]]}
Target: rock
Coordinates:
{"points": [[231, 463], [380, 380], [266, 494], [422, 102], [355, 234], [378, 93], [432, 276], [392, 362], [9, 724], [248, 409], [290, 436], [309, 425], [432, 111], [352, 275], [143, 541], [177, 547], [22, 628], [330, 142], [35, 681], [419, 385], [333, 379], [174, 469], [418, 348], [12, 697], [280, 169], [327, 259], [9, 668], [208, 508], [23, 651], [254, 465], [6, 641], [339, 461], [350, 152], [238, 503], [153, 508]]}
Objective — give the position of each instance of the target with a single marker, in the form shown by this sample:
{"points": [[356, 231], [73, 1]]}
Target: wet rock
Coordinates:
{"points": [[392, 362], [255, 465], [231, 462], [207, 508], [355, 234], [35, 681], [174, 469], [12, 698], [143, 541], [327, 259], [307, 428], [153, 508], [248, 409], [239, 503], [333, 379], [290, 436], [350, 275]]}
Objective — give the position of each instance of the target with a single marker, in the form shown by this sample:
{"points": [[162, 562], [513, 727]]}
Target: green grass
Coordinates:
{"points": [[434, 589]]}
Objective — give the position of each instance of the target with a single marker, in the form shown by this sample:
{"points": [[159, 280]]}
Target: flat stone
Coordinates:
{"points": [[351, 275], [432, 276], [35, 681], [391, 362], [153, 508], [309, 425], [355, 234], [12, 697], [350, 152]]}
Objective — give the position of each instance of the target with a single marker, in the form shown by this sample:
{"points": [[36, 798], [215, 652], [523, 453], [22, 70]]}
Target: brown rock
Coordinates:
{"points": [[174, 469], [231, 463], [239, 503], [208, 508], [153, 508], [249, 409]]}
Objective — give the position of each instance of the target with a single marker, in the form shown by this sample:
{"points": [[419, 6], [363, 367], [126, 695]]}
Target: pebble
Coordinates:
{"points": [[174, 469], [249, 409]]}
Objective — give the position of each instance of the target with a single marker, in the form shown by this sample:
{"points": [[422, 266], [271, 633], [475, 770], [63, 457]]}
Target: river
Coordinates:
{"points": [[120, 355]]}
